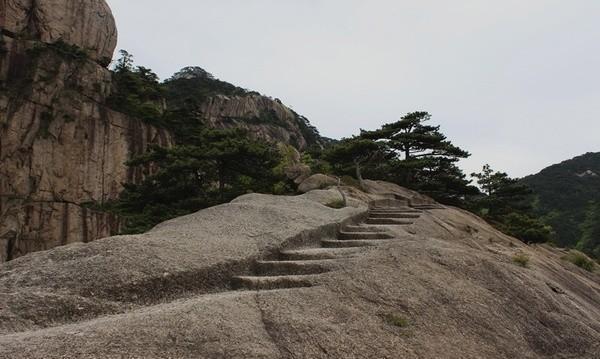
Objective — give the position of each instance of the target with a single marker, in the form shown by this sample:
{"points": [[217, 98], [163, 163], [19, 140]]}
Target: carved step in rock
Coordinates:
{"points": [[388, 221], [274, 282], [353, 243], [394, 215], [364, 229], [364, 235], [407, 211], [297, 267], [320, 253]]}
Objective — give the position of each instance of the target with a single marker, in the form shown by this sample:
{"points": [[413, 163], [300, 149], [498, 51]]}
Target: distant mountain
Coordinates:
{"points": [[567, 195]]}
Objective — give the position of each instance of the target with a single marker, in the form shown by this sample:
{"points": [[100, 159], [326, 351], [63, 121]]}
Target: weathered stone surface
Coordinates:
{"points": [[88, 24], [448, 282], [176, 257], [391, 190], [317, 181], [263, 117]]}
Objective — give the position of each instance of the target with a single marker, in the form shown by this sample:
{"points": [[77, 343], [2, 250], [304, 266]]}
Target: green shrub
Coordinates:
{"points": [[337, 204], [521, 260], [525, 227], [396, 320], [580, 260]]}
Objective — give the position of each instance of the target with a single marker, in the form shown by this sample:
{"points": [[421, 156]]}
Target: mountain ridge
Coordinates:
{"points": [[566, 195]]}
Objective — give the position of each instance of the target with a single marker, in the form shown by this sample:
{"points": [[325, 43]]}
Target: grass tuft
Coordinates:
{"points": [[521, 260], [337, 204], [396, 320], [580, 260]]}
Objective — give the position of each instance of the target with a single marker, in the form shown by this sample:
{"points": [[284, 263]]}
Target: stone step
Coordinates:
{"points": [[394, 215], [392, 209], [363, 229], [364, 235], [429, 206], [278, 268], [274, 282], [388, 221], [354, 243], [397, 211], [319, 253]]}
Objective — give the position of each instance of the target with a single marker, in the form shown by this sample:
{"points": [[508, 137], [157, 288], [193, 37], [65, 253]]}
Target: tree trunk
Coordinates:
{"points": [[339, 188], [359, 175]]}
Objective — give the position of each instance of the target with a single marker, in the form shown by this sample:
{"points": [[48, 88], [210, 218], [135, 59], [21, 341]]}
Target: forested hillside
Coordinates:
{"points": [[567, 196]]}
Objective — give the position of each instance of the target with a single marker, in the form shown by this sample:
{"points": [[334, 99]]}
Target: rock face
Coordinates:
{"points": [[443, 285], [62, 150], [87, 24], [60, 147], [317, 181], [265, 118]]}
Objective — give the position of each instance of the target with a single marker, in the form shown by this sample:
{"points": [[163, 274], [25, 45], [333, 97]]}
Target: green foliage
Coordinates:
{"points": [[580, 260], [565, 195], [217, 167], [72, 52], [191, 86], [348, 155], [505, 203], [524, 227], [176, 103], [309, 132], [396, 320], [407, 152], [590, 230], [521, 260], [61, 48], [313, 158], [337, 204], [137, 91]]}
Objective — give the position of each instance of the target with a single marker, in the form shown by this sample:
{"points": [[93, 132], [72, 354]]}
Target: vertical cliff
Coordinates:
{"points": [[61, 148]]}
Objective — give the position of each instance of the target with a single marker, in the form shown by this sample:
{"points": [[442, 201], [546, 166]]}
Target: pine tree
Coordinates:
{"points": [[350, 155], [216, 167], [506, 203]]}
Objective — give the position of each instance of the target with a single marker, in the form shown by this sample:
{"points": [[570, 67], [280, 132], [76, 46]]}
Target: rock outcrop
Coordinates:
{"points": [[435, 283], [61, 148], [263, 117], [87, 24], [63, 151], [317, 181]]}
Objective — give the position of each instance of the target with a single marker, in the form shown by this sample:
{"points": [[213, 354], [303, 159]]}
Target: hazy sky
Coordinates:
{"points": [[515, 82]]}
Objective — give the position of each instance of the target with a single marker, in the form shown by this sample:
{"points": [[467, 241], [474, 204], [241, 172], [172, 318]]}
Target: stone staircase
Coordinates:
{"points": [[301, 268]]}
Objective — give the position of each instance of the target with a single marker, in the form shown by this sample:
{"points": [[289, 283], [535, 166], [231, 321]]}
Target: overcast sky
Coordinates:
{"points": [[515, 82]]}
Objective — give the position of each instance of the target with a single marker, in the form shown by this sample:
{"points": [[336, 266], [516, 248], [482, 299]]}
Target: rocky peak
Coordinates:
{"points": [[88, 24]]}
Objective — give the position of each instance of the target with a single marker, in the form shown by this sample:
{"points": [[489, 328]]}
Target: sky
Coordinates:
{"points": [[514, 82]]}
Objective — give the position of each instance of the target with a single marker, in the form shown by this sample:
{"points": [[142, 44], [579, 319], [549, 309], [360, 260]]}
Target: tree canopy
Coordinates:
{"points": [[217, 167], [408, 152], [506, 202]]}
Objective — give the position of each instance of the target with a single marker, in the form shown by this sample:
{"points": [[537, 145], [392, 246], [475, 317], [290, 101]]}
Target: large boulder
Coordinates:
{"points": [[88, 24], [318, 181]]}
